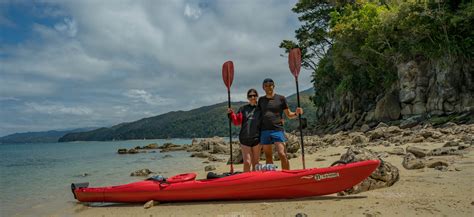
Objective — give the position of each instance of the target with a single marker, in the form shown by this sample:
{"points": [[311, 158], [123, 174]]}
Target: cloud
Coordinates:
{"points": [[68, 27], [52, 108], [148, 98], [126, 60], [192, 12]]}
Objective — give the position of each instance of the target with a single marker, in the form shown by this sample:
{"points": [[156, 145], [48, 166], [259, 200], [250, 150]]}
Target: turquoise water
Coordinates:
{"points": [[35, 178]]}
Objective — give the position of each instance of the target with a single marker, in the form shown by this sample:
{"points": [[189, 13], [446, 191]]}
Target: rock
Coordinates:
{"points": [[384, 176], [463, 146], [388, 108], [142, 172], [378, 133], [122, 151], [410, 162], [436, 162], [445, 151], [292, 155], [359, 139], [168, 147], [209, 168], [381, 124], [417, 140], [397, 151], [150, 204], [301, 215], [410, 122], [167, 156], [394, 130], [418, 152], [364, 128], [426, 134], [215, 145], [237, 157], [151, 146], [320, 159], [441, 168], [201, 154], [133, 151], [451, 144], [293, 143]]}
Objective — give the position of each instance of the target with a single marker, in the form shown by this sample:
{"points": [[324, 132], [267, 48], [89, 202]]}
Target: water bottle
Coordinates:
{"points": [[265, 167]]}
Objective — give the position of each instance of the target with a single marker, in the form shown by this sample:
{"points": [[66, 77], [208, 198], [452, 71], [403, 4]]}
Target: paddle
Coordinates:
{"points": [[228, 77], [294, 61]]}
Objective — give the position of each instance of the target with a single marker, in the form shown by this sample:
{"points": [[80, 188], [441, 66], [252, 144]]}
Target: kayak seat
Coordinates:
{"points": [[182, 178]]}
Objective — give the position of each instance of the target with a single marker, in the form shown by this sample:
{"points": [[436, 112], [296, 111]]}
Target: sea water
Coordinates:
{"points": [[35, 179]]}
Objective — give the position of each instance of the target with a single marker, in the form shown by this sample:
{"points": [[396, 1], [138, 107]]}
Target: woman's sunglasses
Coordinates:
{"points": [[252, 95]]}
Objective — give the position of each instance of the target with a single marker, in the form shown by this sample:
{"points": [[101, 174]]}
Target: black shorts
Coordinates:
{"points": [[250, 142]]}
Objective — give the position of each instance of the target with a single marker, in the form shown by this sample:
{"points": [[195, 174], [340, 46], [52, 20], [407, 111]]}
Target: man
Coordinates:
{"points": [[272, 107]]}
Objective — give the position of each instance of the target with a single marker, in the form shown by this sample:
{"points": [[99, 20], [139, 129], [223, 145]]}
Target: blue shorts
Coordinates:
{"points": [[268, 137]]}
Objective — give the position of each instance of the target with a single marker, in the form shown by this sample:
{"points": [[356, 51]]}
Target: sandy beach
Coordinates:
{"points": [[420, 192]]}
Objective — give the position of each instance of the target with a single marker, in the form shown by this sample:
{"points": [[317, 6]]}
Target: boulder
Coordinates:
{"points": [[388, 108], [358, 139], [237, 157], [364, 128], [122, 151], [394, 130], [397, 151], [293, 143], [418, 152], [410, 162], [445, 151], [433, 163], [384, 176], [133, 151], [151, 146], [410, 122], [209, 168], [142, 172], [381, 124], [451, 144]]}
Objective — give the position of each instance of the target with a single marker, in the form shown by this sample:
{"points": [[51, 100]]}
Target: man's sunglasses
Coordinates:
{"points": [[250, 96]]}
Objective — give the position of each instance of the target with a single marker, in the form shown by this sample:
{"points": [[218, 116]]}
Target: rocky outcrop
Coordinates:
{"points": [[384, 176], [426, 91], [167, 147]]}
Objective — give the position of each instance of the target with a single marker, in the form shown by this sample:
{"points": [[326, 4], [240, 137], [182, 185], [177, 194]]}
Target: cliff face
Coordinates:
{"points": [[425, 89], [436, 87]]}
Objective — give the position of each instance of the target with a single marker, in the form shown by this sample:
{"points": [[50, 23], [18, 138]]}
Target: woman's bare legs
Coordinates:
{"points": [[247, 156], [256, 155]]}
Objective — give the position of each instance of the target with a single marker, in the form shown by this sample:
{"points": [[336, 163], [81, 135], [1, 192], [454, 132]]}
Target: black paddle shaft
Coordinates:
{"points": [[301, 125], [230, 133]]}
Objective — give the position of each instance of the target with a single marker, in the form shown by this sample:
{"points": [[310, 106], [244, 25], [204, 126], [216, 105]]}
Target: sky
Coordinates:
{"points": [[71, 64]]}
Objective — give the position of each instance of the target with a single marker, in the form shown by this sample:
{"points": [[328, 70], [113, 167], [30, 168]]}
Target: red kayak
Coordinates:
{"points": [[243, 186]]}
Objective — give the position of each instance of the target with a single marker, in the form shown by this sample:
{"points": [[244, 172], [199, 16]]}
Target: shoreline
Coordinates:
{"points": [[421, 192]]}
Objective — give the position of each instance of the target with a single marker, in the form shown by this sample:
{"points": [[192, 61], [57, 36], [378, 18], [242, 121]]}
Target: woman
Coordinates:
{"points": [[249, 117]]}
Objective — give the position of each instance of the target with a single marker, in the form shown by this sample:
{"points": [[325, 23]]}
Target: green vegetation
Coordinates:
{"points": [[202, 122], [354, 46]]}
